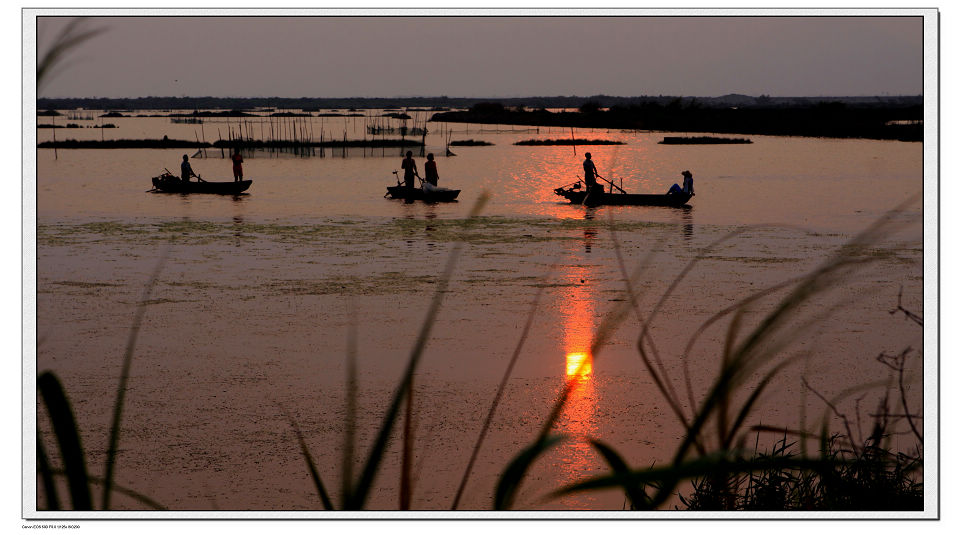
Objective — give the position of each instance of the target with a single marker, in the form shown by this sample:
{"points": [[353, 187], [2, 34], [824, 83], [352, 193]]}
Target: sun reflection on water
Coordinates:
{"points": [[579, 366], [578, 420]]}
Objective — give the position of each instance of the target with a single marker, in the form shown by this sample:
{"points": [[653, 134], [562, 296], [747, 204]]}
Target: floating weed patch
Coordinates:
{"points": [[164, 300], [84, 284], [553, 284], [383, 234], [191, 227], [197, 285], [499, 280], [754, 259], [350, 285]]}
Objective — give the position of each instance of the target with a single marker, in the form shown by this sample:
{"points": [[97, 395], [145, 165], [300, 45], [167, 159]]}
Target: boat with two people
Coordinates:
{"points": [[428, 191], [596, 195], [167, 182]]}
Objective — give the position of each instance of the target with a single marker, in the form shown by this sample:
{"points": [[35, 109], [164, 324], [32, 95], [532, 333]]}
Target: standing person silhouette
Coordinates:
{"points": [[590, 174], [237, 166], [409, 167], [430, 169]]}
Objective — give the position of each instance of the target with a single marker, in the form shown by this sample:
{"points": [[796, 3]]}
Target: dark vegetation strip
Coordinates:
{"points": [[247, 144], [705, 140], [75, 125], [470, 143], [545, 142], [824, 119]]}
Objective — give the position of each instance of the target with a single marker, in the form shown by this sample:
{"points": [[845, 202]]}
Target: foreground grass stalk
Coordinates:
{"points": [[361, 491], [500, 390], [349, 433], [72, 35], [750, 354], [311, 466], [406, 489], [68, 436], [46, 475], [124, 376]]}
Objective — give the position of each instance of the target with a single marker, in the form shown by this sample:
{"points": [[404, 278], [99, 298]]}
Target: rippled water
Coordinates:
{"points": [[252, 308]]}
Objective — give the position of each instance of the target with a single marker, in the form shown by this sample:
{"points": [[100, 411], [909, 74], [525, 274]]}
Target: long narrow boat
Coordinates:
{"points": [[577, 195], [171, 184], [419, 194]]}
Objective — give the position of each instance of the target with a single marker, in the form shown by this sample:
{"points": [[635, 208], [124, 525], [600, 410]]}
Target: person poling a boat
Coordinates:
{"points": [[409, 167], [590, 174], [186, 171]]}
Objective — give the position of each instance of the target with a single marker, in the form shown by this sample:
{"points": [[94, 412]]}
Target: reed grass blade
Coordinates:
{"points": [[500, 389], [350, 420], [314, 473], [124, 491], [636, 494], [125, 376], [512, 477], [46, 476], [68, 437], [362, 489]]}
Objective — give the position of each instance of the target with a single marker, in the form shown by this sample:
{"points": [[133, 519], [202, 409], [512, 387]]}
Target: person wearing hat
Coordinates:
{"points": [[687, 182], [687, 185]]}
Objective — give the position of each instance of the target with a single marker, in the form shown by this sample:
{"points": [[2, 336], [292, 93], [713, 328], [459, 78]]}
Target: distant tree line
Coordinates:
{"points": [[443, 102], [815, 119]]}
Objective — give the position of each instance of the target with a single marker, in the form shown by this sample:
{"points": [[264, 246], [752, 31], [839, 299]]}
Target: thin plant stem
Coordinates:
{"points": [[500, 389], [359, 497], [350, 429], [124, 377]]}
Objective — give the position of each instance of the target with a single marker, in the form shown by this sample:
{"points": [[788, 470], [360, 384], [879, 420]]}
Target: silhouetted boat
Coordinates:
{"points": [[419, 194], [171, 184], [578, 195]]}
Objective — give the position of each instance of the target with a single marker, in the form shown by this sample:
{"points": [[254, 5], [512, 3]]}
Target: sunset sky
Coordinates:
{"points": [[490, 56]]}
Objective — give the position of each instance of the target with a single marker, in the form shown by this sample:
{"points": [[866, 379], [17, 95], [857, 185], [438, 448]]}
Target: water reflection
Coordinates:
{"points": [[430, 228], [589, 232], [238, 230], [577, 457], [686, 214]]}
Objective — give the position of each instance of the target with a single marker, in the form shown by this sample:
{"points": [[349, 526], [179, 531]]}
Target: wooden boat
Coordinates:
{"points": [[171, 184], [419, 194], [578, 195]]}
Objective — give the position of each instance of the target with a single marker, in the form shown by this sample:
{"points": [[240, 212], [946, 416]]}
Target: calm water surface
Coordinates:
{"points": [[253, 305]]}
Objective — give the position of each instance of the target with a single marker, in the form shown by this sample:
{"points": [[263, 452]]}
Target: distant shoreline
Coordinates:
{"points": [[884, 118], [440, 103]]}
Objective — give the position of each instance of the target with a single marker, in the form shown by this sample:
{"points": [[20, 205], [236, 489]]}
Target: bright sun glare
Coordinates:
{"points": [[579, 365]]}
